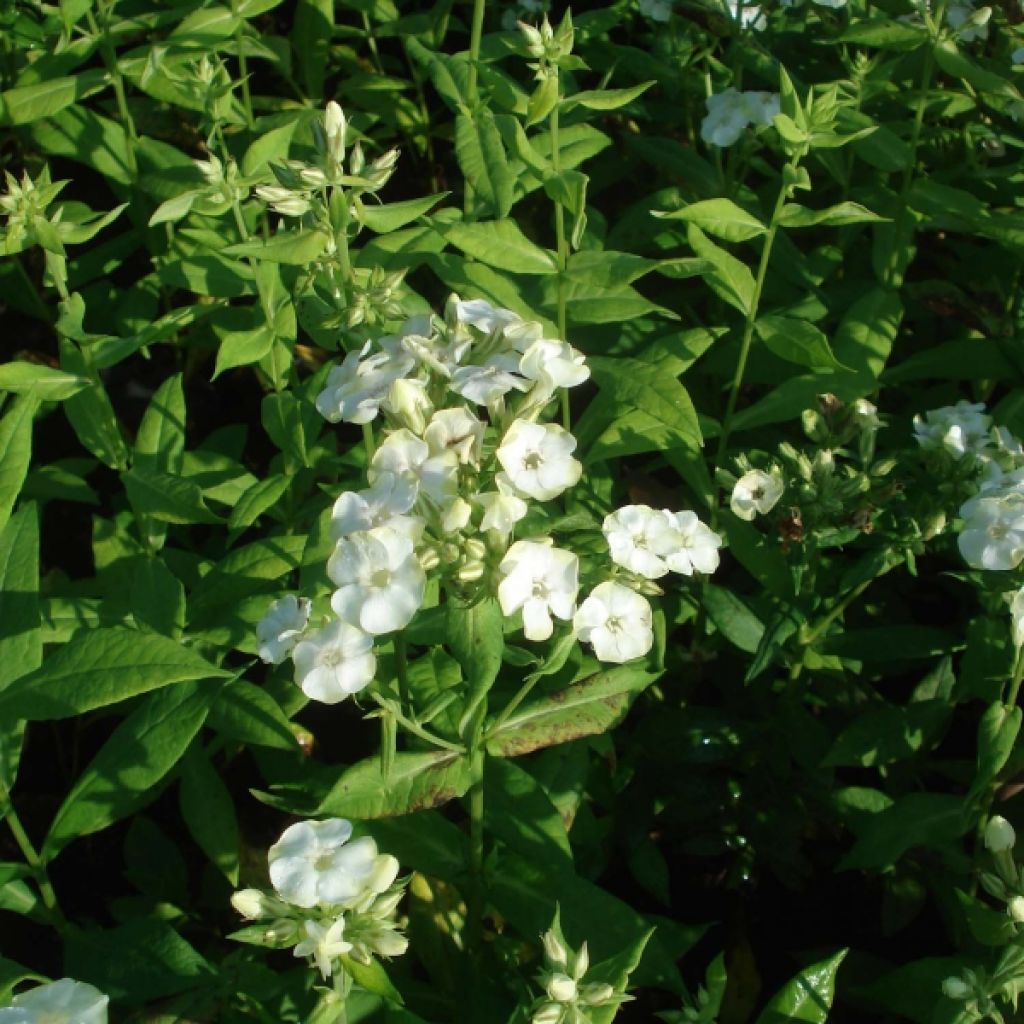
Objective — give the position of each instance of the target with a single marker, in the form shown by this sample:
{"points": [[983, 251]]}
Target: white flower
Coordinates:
{"points": [[992, 536], [354, 391], [730, 112], [638, 537], [483, 316], [58, 1002], [749, 15], [541, 580], [502, 508], [655, 10], [553, 364], [408, 403], [334, 662], [756, 493], [335, 128], [455, 430], [314, 863], [407, 456], [999, 835], [698, 545], [495, 378], [956, 429], [538, 459], [1016, 602], [384, 503], [323, 943], [281, 628], [380, 581], [616, 621]]}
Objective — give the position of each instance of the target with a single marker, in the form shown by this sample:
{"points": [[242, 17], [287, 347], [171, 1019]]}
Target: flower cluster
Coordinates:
{"points": [[335, 897], [730, 112], [58, 1002], [567, 998], [464, 452]]}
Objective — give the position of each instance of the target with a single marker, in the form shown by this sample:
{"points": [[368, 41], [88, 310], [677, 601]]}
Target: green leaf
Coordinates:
{"points": [[954, 63], [209, 812], [268, 147], [91, 413], [885, 34], [730, 279], [164, 497], [102, 666], [174, 209], [808, 997], [997, 734], [392, 216], [482, 159], [475, 638], [248, 714], [125, 774], [732, 618], [500, 243], [586, 708], [160, 441], [415, 781], [312, 31], [719, 217], [796, 341], [240, 348], [263, 494], [605, 99], [887, 735], [157, 598], [44, 382], [15, 451], [294, 247], [795, 216], [283, 420], [28, 103]]}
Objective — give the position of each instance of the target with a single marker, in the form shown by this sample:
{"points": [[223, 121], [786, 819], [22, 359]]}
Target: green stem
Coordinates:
{"points": [[1015, 681], [372, 43], [110, 61], [808, 637], [475, 34], [475, 908], [410, 725], [561, 249], [748, 332], [402, 670], [32, 858], [243, 72]]}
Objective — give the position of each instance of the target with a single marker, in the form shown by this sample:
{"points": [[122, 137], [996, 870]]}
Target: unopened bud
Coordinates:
{"points": [[250, 903], [561, 988], [335, 128], [429, 558], [549, 1013], [999, 834], [596, 994], [582, 962], [407, 400], [470, 572], [313, 176], [955, 988], [554, 951], [933, 525], [1015, 908], [456, 515]]}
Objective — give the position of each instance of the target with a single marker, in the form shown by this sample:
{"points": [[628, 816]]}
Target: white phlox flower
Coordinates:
{"points": [[1016, 603], [639, 538], [479, 313], [698, 545], [323, 943], [502, 508], [313, 863], [355, 390], [455, 430], [334, 662], [380, 580], [958, 430], [420, 339], [749, 15], [409, 457], [282, 627], [384, 503], [616, 622], [992, 536], [493, 379], [540, 580], [730, 112], [57, 1002], [553, 364], [407, 401], [537, 457], [756, 493]]}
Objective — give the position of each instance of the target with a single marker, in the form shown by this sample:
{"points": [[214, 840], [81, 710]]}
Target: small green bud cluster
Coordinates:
{"points": [[567, 998]]}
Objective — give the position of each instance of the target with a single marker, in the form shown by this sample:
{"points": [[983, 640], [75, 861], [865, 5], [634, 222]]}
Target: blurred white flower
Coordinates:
{"points": [[538, 459], [992, 536], [379, 579], [698, 545], [756, 493], [999, 835], [730, 112], [323, 943], [502, 508], [313, 863], [1016, 602], [57, 1002], [334, 662], [282, 627], [384, 503], [956, 429], [616, 621], [749, 15], [542, 581], [355, 390]]}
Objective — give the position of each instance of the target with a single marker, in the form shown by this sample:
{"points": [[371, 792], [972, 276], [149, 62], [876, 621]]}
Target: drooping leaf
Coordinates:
{"points": [[808, 997]]}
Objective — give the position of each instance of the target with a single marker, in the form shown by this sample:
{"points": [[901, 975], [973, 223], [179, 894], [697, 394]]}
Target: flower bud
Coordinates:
{"points": [[335, 128], [429, 558], [999, 834], [554, 951], [407, 401], [582, 962], [561, 988], [955, 988], [596, 994], [456, 515], [313, 176], [933, 525], [471, 571], [389, 943], [549, 1013], [993, 885], [1015, 908], [250, 903]]}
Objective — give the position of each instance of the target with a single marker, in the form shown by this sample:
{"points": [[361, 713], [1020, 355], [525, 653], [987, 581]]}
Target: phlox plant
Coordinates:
{"points": [[510, 513]]}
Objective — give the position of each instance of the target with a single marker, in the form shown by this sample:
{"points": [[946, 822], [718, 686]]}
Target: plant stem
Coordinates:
{"points": [[561, 247], [748, 333], [1015, 681], [410, 725], [32, 858], [475, 903], [110, 61], [402, 670], [475, 33]]}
